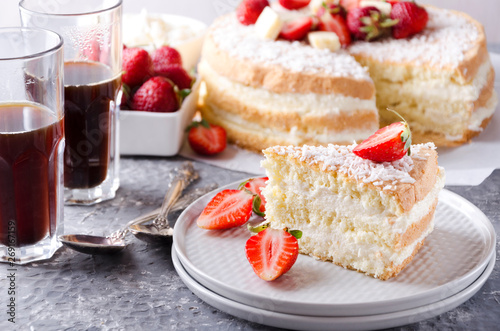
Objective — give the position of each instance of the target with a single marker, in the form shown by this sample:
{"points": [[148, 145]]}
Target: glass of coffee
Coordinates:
{"points": [[91, 30], [31, 144]]}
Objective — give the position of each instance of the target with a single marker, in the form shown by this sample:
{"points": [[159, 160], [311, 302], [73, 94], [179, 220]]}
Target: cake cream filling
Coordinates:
{"points": [[301, 103], [294, 136], [482, 113], [442, 90]]}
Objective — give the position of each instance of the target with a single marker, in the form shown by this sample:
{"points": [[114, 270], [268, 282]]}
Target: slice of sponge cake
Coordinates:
{"points": [[367, 216]]}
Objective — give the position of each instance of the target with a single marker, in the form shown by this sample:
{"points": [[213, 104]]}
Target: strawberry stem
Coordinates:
{"points": [[296, 233], [259, 228], [406, 134], [256, 205]]}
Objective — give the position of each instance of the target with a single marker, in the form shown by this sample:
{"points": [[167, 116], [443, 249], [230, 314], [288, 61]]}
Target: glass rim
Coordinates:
{"points": [[116, 5], [58, 46]]}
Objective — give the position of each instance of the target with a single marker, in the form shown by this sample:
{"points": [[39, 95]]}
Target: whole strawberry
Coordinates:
{"points": [[206, 139], [249, 11], [156, 95], [137, 66], [368, 23], [165, 56], [411, 19], [176, 74]]}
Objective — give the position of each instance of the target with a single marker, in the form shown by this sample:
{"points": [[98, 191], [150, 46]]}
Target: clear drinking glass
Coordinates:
{"points": [[91, 30], [31, 144]]}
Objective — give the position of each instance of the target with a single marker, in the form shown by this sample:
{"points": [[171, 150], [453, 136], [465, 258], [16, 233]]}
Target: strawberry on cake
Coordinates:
{"points": [[301, 72], [366, 207]]}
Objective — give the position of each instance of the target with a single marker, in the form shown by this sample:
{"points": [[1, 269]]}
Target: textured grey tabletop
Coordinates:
{"points": [[139, 288]]}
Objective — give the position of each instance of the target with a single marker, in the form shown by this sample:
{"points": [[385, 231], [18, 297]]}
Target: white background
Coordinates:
{"points": [[486, 11]]}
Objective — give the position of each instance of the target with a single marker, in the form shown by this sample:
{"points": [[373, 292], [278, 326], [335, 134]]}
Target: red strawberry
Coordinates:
{"points": [[228, 209], [388, 144], [272, 253], [294, 4], [249, 11], [137, 66], [165, 56], [255, 185], [176, 74], [337, 24], [296, 29], [350, 4], [333, 9], [411, 19], [368, 23], [206, 139], [156, 95]]}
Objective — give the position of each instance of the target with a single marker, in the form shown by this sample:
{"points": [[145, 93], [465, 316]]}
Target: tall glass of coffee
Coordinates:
{"points": [[91, 30], [31, 144]]}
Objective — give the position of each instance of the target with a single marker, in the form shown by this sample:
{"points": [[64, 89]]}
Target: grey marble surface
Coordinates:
{"points": [[139, 288]]}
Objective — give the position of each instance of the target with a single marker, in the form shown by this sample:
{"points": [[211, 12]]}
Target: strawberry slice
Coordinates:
{"points": [[249, 11], [205, 138], [337, 24], [350, 4], [296, 29], [294, 4], [388, 144], [228, 209], [272, 253], [255, 185]]}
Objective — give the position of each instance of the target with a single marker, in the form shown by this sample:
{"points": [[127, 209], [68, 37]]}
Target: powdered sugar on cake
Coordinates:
{"points": [[341, 159], [240, 41], [443, 43]]}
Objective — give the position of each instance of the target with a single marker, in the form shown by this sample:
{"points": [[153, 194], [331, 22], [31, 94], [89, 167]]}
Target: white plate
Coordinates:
{"points": [[302, 322], [454, 255]]}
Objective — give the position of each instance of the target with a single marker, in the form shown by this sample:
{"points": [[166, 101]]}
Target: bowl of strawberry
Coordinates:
{"points": [[159, 99]]}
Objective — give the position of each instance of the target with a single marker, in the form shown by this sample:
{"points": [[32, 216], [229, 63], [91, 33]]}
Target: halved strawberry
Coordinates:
{"points": [[248, 11], [388, 144], [294, 4], [272, 253], [337, 24], [205, 138], [296, 29], [228, 209], [255, 185]]}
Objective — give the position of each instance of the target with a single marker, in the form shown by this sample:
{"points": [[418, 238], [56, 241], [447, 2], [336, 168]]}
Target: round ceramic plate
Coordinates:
{"points": [[302, 322], [454, 255]]}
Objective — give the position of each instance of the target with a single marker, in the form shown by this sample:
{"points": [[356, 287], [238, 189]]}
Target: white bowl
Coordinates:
{"points": [[186, 34], [157, 134]]}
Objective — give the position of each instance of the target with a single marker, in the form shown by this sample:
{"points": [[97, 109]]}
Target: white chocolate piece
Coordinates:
{"points": [[269, 24], [324, 40]]}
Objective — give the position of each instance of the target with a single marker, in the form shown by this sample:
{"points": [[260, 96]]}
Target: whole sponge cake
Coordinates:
{"points": [[440, 80], [266, 92], [367, 216], [269, 92]]}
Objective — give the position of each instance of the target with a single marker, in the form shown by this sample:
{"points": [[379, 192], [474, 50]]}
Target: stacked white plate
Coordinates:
{"points": [[456, 260]]}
